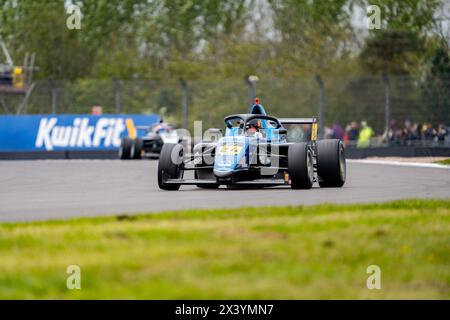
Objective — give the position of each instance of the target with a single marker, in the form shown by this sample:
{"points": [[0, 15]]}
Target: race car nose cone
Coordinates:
{"points": [[223, 174]]}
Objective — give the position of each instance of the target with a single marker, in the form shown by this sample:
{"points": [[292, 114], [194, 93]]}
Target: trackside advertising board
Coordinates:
{"points": [[68, 132]]}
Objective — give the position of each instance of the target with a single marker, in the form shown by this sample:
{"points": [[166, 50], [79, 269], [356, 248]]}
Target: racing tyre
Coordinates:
{"points": [[125, 148], [136, 148], [300, 166], [331, 167], [169, 168]]}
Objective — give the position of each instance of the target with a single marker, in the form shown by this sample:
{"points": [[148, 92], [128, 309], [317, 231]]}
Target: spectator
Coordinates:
{"points": [[428, 132], [346, 140], [413, 133], [338, 132], [409, 134], [365, 135], [396, 135], [442, 132], [353, 131], [420, 131], [327, 133]]}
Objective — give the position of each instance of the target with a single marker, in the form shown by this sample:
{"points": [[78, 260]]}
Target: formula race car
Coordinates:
{"points": [[150, 144], [256, 152]]}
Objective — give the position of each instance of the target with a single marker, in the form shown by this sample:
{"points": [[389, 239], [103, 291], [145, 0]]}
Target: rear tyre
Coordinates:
{"points": [[331, 167], [136, 148], [170, 165], [125, 148], [300, 166]]}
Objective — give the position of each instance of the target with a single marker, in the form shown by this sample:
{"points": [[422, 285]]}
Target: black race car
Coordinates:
{"points": [[149, 145], [256, 152]]}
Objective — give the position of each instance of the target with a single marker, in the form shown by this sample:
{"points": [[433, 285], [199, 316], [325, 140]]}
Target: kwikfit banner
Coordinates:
{"points": [[68, 132]]}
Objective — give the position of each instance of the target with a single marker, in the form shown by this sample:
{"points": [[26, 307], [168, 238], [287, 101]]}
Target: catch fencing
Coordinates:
{"points": [[380, 101]]}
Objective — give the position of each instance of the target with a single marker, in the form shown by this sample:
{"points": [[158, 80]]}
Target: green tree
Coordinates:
{"points": [[398, 47], [436, 93], [40, 26], [314, 35], [392, 51], [416, 16]]}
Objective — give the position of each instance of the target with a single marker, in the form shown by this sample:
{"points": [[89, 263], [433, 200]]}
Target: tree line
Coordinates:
{"points": [[215, 41]]}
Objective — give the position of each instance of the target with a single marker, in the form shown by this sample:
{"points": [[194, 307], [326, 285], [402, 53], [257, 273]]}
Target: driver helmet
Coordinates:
{"points": [[254, 126], [159, 128]]}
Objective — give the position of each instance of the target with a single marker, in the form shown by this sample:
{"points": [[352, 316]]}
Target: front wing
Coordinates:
{"points": [[251, 183]]}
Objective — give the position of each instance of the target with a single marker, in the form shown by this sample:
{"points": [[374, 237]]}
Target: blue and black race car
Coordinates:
{"points": [[257, 151]]}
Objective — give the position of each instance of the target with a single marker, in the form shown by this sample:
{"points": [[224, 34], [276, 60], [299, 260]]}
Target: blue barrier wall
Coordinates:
{"points": [[67, 132]]}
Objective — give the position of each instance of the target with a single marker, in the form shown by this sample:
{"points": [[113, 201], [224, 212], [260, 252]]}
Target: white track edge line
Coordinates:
{"points": [[399, 163]]}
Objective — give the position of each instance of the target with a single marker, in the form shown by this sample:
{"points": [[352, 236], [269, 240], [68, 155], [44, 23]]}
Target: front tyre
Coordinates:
{"points": [[125, 148], [300, 166], [331, 166], [136, 148], [170, 165]]}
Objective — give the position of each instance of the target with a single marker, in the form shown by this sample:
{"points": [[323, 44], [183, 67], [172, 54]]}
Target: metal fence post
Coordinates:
{"points": [[387, 107], [117, 98], [321, 104], [54, 93], [185, 102]]}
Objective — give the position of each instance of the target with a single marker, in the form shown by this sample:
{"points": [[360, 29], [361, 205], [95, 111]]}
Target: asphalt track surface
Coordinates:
{"points": [[60, 189]]}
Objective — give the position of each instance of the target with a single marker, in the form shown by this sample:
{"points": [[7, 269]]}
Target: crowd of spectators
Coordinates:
{"points": [[362, 135], [412, 132]]}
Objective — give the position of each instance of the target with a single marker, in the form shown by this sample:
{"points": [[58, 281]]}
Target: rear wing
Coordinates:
{"points": [[133, 129], [311, 121]]}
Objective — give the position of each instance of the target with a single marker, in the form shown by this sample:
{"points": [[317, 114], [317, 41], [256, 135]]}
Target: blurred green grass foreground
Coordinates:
{"points": [[257, 253]]}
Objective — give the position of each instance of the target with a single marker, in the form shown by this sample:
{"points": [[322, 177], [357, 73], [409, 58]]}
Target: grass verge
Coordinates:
{"points": [[258, 253], [445, 161]]}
